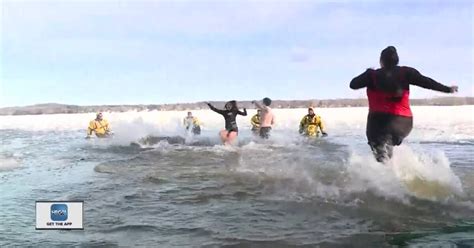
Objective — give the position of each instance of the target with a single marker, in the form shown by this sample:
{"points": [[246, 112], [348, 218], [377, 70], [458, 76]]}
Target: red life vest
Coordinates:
{"points": [[384, 102]]}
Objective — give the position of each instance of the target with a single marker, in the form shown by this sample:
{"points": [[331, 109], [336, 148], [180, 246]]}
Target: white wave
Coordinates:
{"points": [[9, 163], [346, 125], [431, 123], [427, 176], [367, 174], [409, 174]]}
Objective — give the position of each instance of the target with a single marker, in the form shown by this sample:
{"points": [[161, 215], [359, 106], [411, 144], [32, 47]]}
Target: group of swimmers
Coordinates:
{"points": [[389, 121], [311, 124]]}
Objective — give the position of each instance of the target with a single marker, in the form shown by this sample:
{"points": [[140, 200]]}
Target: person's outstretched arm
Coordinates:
{"points": [[258, 105], [417, 79], [215, 109], [242, 113], [361, 81]]}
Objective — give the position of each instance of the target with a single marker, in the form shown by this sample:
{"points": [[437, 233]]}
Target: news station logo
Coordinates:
{"points": [[54, 215], [58, 212]]}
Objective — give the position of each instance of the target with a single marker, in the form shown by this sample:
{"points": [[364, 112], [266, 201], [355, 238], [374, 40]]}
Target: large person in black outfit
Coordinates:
{"points": [[390, 118]]}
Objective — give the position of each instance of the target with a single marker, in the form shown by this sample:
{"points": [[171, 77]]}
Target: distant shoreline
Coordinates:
{"points": [[55, 108]]}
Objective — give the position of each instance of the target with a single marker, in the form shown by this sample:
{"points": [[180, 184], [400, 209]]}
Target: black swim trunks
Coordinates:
{"points": [[265, 132]]}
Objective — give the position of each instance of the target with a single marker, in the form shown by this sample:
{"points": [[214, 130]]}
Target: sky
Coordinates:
{"points": [[152, 52]]}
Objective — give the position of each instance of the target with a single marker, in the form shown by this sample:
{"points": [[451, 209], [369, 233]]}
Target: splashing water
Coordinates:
{"points": [[154, 184]]}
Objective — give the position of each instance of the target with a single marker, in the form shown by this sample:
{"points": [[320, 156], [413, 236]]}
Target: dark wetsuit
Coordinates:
{"points": [[390, 119], [229, 116]]}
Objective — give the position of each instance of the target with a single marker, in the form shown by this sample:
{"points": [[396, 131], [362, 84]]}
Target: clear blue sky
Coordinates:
{"points": [[124, 52]]}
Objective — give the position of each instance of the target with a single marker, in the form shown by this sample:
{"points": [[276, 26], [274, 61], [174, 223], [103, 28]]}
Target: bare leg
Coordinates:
{"points": [[231, 137], [223, 136]]}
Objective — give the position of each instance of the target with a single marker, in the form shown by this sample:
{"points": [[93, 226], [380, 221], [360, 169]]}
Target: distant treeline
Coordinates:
{"points": [[54, 108]]}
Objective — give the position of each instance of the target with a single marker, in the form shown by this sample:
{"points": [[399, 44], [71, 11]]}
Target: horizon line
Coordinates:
{"points": [[200, 102]]}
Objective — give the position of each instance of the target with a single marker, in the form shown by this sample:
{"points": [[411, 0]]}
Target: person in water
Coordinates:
{"points": [[99, 126], [192, 124], [311, 125], [255, 121], [267, 118], [230, 113], [390, 119]]}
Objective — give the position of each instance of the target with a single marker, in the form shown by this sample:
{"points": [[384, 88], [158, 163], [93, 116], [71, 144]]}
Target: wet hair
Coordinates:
{"points": [[232, 104], [267, 101], [389, 57]]}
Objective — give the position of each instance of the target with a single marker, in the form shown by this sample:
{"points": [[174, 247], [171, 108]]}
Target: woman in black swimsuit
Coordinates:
{"points": [[230, 113]]}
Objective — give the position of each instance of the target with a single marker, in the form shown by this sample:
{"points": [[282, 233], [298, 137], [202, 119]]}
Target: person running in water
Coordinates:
{"points": [[99, 126], [255, 121], [390, 119], [192, 123], [267, 118], [230, 113], [311, 125]]}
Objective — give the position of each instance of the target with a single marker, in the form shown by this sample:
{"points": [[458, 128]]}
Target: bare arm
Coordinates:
{"points": [[259, 106]]}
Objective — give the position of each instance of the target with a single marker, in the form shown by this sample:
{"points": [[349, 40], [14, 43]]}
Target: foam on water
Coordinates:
{"points": [[297, 190], [418, 170], [426, 176], [9, 163], [367, 174], [431, 123], [410, 173]]}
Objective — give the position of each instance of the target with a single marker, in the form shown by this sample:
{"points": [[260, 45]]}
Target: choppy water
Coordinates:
{"points": [[282, 193]]}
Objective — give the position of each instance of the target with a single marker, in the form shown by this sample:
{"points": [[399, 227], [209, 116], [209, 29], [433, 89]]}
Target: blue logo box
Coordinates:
{"points": [[59, 212]]}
